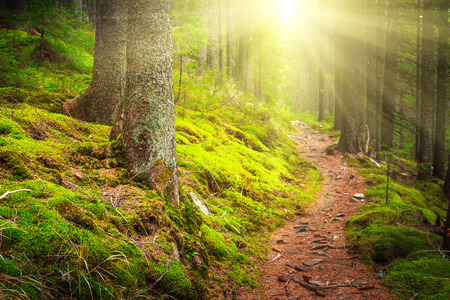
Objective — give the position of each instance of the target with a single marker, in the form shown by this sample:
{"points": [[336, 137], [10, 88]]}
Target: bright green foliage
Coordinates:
{"points": [[65, 69]]}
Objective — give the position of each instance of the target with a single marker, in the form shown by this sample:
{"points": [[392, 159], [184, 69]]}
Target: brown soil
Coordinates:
{"points": [[290, 250]]}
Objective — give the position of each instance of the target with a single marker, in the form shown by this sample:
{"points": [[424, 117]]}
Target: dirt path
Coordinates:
{"points": [[324, 241]]}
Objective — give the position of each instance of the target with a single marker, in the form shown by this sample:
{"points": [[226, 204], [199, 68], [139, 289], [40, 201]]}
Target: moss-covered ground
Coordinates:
{"points": [[403, 235], [82, 228]]}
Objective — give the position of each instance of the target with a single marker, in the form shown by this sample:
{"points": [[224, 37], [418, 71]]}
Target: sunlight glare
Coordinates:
{"points": [[287, 10]]}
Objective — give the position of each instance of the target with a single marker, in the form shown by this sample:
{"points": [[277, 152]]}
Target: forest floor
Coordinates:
{"points": [[313, 247]]}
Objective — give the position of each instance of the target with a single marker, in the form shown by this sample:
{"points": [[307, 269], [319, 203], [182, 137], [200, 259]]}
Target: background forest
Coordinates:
{"points": [[81, 225]]}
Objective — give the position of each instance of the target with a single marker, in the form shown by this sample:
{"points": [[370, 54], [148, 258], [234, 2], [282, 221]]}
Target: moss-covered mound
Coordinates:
{"points": [[403, 234]]}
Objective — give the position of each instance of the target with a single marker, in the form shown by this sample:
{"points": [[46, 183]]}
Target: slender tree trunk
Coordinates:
{"points": [[446, 188], [441, 95], [427, 94], [321, 96], [390, 77], [379, 71], [348, 141], [229, 38], [220, 36], [100, 103], [371, 78], [338, 67], [418, 58], [149, 118]]}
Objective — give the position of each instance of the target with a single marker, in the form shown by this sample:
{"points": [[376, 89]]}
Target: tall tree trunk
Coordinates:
{"points": [[242, 50], [210, 46], [446, 188], [100, 103], [441, 95], [427, 94], [229, 37], [390, 77], [321, 95], [418, 58], [381, 24], [220, 39], [149, 118], [338, 67], [371, 78], [349, 139]]}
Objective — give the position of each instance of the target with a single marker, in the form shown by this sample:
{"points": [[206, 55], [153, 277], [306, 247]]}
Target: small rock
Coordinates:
{"points": [[320, 293], [317, 283], [335, 238], [337, 219], [345, 297], [77, 176], [301, 228], [294, 298], [282, 278], [340, 215], [366, 287], [381, 274], [359, 196], [298, 269], [306, 277], [313, 262]]}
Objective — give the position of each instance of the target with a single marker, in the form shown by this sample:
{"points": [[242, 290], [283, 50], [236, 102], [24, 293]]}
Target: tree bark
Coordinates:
{"points": [[441, 95], [100, 103], [149, 118], [371, 78], [426, 94], [349, 139], [418, 58], [228, 37], [379, 70], [390, 77], [338, 66], [446, 188]]}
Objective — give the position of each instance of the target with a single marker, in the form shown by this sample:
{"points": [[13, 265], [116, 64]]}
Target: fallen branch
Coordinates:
{"points": [[315, 288], [12, 192], [349, 258], [327, 246]]}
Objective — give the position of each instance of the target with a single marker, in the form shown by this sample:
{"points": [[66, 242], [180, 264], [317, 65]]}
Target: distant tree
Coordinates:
{"points": [[426, 94], [446, 188], [338, 66], [148, 131], [441, 95], [351, 108], [100, 102], [373, 50], [390, 77]]}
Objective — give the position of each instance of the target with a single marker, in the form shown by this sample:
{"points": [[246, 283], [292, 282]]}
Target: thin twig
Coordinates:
{"points": [[167, 265], [12, 192], [112, 203]]}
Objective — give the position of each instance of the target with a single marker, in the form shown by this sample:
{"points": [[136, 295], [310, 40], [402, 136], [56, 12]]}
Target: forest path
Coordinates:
{"points": [[323, 245]]}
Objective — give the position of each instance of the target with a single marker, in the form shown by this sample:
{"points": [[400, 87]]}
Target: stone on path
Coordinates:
{"points": [[313, 262], [359, 196]]}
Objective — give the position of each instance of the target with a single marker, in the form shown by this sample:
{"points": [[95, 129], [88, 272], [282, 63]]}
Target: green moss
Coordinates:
{"points": [[426, 275]]}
